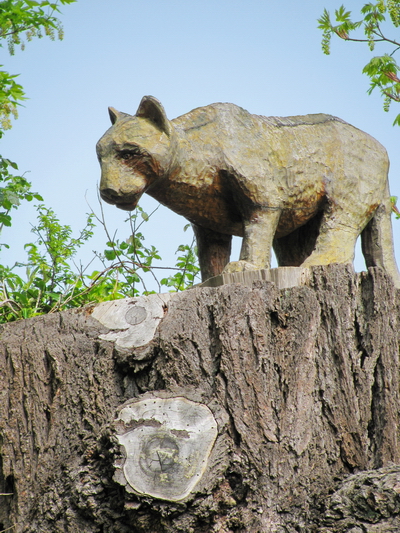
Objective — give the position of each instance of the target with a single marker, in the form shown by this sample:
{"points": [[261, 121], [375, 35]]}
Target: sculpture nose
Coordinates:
{"points": [[109, 195]]}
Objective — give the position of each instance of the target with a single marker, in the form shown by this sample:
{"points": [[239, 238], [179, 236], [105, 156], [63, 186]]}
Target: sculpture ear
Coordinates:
{"points": [[114, 115], [152, 109]]}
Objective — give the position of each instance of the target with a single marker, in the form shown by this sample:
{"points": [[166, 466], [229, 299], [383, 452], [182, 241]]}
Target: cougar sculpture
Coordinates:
{"points": [[307, 186]]}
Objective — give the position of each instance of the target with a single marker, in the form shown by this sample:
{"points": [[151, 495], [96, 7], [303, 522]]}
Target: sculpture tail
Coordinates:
{"points": [[377, 241]]}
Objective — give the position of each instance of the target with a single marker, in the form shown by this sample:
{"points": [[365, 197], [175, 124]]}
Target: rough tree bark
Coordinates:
{"points": [[303, 384]]}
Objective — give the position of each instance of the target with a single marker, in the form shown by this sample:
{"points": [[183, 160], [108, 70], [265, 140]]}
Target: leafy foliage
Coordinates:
{"points": [[395, 209], [383, 71], [49, 281], [33, 18], [187, 265], [11, 93], [52, 282], [13, 190]]}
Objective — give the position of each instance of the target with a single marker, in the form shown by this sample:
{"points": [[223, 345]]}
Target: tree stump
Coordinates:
{"points": [[288, 399]]}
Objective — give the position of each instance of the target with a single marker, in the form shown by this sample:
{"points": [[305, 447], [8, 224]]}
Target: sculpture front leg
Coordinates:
{"points": [[213, 249], [259, 231]]}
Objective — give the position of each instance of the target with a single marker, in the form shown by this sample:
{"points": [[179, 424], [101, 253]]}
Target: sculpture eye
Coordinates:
{"points": [[127, 155]]}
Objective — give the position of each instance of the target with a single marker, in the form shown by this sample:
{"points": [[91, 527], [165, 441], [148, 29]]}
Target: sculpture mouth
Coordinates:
{"points": [[127, 204]]}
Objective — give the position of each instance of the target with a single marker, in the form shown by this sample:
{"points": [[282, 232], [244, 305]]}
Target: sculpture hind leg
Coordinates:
{"points": [[337, 238], [293, 249], [213, 249], [377, 242]]}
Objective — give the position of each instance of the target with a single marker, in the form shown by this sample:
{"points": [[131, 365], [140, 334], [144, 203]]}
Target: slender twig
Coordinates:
{"points": [[151, 214], [149, 268], [83, 270], [394, 51], [186, 264], [347, 38], [38, 300], [9, 302], [391, 96], [377, 32], [8, 529]]}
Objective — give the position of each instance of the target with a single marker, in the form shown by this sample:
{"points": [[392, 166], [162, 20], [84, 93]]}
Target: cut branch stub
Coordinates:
{"points": [[132, 321], [166, 445]]}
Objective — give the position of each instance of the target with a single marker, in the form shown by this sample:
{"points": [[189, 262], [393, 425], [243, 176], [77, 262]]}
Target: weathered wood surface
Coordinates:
{"points": [[282, 277], [303, 383]]}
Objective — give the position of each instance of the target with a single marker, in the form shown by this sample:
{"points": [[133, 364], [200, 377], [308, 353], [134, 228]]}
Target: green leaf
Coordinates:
{"points": [[12, 164], [342, 15], [5, 220], [110, 255], [325, 21]]}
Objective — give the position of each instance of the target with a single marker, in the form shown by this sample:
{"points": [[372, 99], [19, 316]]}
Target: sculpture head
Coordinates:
{"points": [[134, 153]]}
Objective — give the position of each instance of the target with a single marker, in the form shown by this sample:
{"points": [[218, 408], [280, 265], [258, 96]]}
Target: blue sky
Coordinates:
{"points": [[264, 56]]}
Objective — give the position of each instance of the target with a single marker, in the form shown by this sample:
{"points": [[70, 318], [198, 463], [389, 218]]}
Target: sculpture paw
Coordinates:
{"points": [[239, 266]]}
